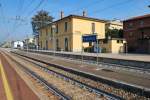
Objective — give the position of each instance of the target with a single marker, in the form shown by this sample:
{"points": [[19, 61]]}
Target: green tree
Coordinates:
{"points": [[114, 33], [41, 19]]}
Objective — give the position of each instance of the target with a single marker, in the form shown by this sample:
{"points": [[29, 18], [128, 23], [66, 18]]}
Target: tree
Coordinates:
{"points": [[39, 20], [114, 33]]}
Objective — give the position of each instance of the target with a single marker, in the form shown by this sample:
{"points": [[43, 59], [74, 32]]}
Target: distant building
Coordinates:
{"points": [[29, 43], [29, 40], [137, 33], [68, 32], [114, 24], [114, 45], [18, 44], [6, 44]]}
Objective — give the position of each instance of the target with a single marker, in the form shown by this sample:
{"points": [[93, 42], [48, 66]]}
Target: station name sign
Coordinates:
{"points": [[89, 38]]}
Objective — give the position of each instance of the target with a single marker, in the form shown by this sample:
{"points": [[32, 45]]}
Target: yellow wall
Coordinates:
{"points": [[76, 28], [62, 34], [81, 27], [112, 46], [43, 37], [117, 47]]}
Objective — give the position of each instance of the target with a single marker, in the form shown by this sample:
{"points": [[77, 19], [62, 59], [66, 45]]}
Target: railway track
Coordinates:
{"points": [[42, 81], [74, 82], [78, 83], [49, 86], [61, 95], [81, 84]]}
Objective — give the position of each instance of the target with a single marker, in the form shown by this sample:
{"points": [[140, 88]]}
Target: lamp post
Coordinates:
{"points": [[53, 32], [97, 46]]}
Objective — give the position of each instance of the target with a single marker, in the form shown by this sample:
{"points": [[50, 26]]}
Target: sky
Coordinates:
{"points": [[15, 15]]}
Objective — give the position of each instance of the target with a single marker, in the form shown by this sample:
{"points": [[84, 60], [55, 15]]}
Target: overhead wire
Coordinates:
{"points": [[88, 5], [111, 6]]}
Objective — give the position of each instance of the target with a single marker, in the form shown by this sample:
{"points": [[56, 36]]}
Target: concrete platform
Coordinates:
{"points": [[127, 77]]}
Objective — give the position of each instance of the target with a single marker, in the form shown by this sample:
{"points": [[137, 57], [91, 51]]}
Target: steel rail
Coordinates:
{"points": [[49, 86], [78, 83], [125, 86]]}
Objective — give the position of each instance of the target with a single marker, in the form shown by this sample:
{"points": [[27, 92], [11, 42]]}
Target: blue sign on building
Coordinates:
{"points": [[89, 38]]}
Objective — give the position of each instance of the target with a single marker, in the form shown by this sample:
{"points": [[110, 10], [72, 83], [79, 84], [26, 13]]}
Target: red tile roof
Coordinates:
{"points": [[138, 17]]}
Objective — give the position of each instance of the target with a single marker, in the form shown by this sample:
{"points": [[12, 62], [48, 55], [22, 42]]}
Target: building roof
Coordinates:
{"points": [[82, 17], [77, 16], [138, 17], [115, 22]]}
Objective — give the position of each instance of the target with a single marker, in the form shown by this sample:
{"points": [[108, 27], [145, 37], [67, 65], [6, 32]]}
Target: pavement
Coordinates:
{"points": [[13, 87], [123, 56], [128, 77]]}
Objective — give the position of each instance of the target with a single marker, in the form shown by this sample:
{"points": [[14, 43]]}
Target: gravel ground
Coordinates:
{"points": [[122, 76], [73, 91], [36, 87]]}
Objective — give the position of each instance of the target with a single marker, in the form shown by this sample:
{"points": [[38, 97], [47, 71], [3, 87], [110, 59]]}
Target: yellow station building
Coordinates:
{"points": [[68, 31]]}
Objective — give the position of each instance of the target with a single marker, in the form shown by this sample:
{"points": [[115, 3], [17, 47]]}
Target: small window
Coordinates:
{"points": [[119, 41], [130, 25], [93, 27], [56, 28], [66, 26], [131, 34], [141, 23]]}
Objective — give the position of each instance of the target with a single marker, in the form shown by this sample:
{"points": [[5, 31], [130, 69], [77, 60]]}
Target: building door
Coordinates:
{"points": [[46, 45], [125, 48], [57, 46], [66, 44]]}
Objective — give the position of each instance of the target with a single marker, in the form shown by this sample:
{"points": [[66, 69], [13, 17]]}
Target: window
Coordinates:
{"points": [[40, 33], [46, 31], [130, 25], [51, 31], [93, 27], [57, 44], [41, 44], [66, 26], [131, 34], [119, 41], [56, 28], [141, 23]]}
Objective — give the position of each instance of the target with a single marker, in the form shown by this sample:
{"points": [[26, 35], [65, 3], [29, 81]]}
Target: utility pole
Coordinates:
{"points": [[53, 30]]}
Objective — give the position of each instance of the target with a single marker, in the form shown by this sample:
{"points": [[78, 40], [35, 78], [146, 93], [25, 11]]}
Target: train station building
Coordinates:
{"points": [[66, 33]]}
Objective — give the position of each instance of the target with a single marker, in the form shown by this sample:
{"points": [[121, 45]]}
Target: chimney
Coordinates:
{"points": [[61, 14], [84, 13]]}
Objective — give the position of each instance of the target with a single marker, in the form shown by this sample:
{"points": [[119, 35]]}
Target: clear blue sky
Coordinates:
{"points": [[12, 29]]}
